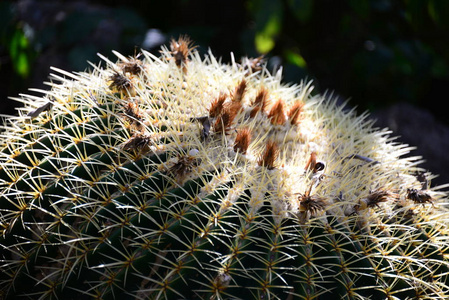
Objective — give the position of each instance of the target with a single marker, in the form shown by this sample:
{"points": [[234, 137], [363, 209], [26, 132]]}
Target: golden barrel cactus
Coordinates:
{"points": [[179, 177]]}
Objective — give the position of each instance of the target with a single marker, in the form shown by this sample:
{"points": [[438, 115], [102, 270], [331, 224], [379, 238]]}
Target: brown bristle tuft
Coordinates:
{"points": [[260, 103], [253, 64], [239, 92], [216, 106], [180, 51], [242, 140], [224, 121], [233, 107], [261, 98], [269, 156], [294, 113], [254, 111], [277, 113]]}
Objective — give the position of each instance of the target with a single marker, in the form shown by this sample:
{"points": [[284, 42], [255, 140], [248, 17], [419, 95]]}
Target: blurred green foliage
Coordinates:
{"points": [[13, 37], [377, 52], [69, 35], [20, 52]]}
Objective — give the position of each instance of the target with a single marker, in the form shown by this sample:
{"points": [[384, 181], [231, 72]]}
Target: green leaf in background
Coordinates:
{"points": [[268, 18], [19, 51], [295, 58], [265, 39]]}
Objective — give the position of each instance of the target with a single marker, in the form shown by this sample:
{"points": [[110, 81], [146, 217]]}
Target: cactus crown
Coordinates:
{"points": [[179, 177]]}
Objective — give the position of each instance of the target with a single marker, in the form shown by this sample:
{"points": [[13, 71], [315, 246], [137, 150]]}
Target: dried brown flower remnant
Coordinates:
{"points": [[419, 196], [269, 156], [242, 140], [312, 203], [309, 204], [133, 66], [183, 165], [133, 114], [121, 83], [139, 142], [378, 196], [180, 50], [277, 113], [294, 113], [375, 198]]}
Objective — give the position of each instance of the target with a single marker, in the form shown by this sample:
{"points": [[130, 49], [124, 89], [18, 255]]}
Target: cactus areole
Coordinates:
{"points": [[179, 177]]}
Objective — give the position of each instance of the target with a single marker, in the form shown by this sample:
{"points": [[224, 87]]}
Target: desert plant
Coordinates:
{"points": [[178, 177]]}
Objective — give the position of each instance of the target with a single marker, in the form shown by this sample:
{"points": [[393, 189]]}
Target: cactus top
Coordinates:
{"points": [[222, 158]]}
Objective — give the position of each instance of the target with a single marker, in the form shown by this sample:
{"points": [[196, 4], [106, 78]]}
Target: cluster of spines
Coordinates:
{"points": [[113, 194]]}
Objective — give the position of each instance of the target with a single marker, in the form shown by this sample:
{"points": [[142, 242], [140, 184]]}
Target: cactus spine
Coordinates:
{"points": [[178, 177]]}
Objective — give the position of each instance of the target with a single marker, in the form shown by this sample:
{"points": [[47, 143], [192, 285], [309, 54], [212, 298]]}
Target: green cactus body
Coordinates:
{"points": [[178, 177]]}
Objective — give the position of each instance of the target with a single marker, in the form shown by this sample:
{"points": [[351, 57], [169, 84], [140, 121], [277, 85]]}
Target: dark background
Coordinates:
{"points": [[390, 57]]}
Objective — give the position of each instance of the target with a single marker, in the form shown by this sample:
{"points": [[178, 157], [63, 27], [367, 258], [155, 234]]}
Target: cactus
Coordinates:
{"points": [[179, 177]]}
